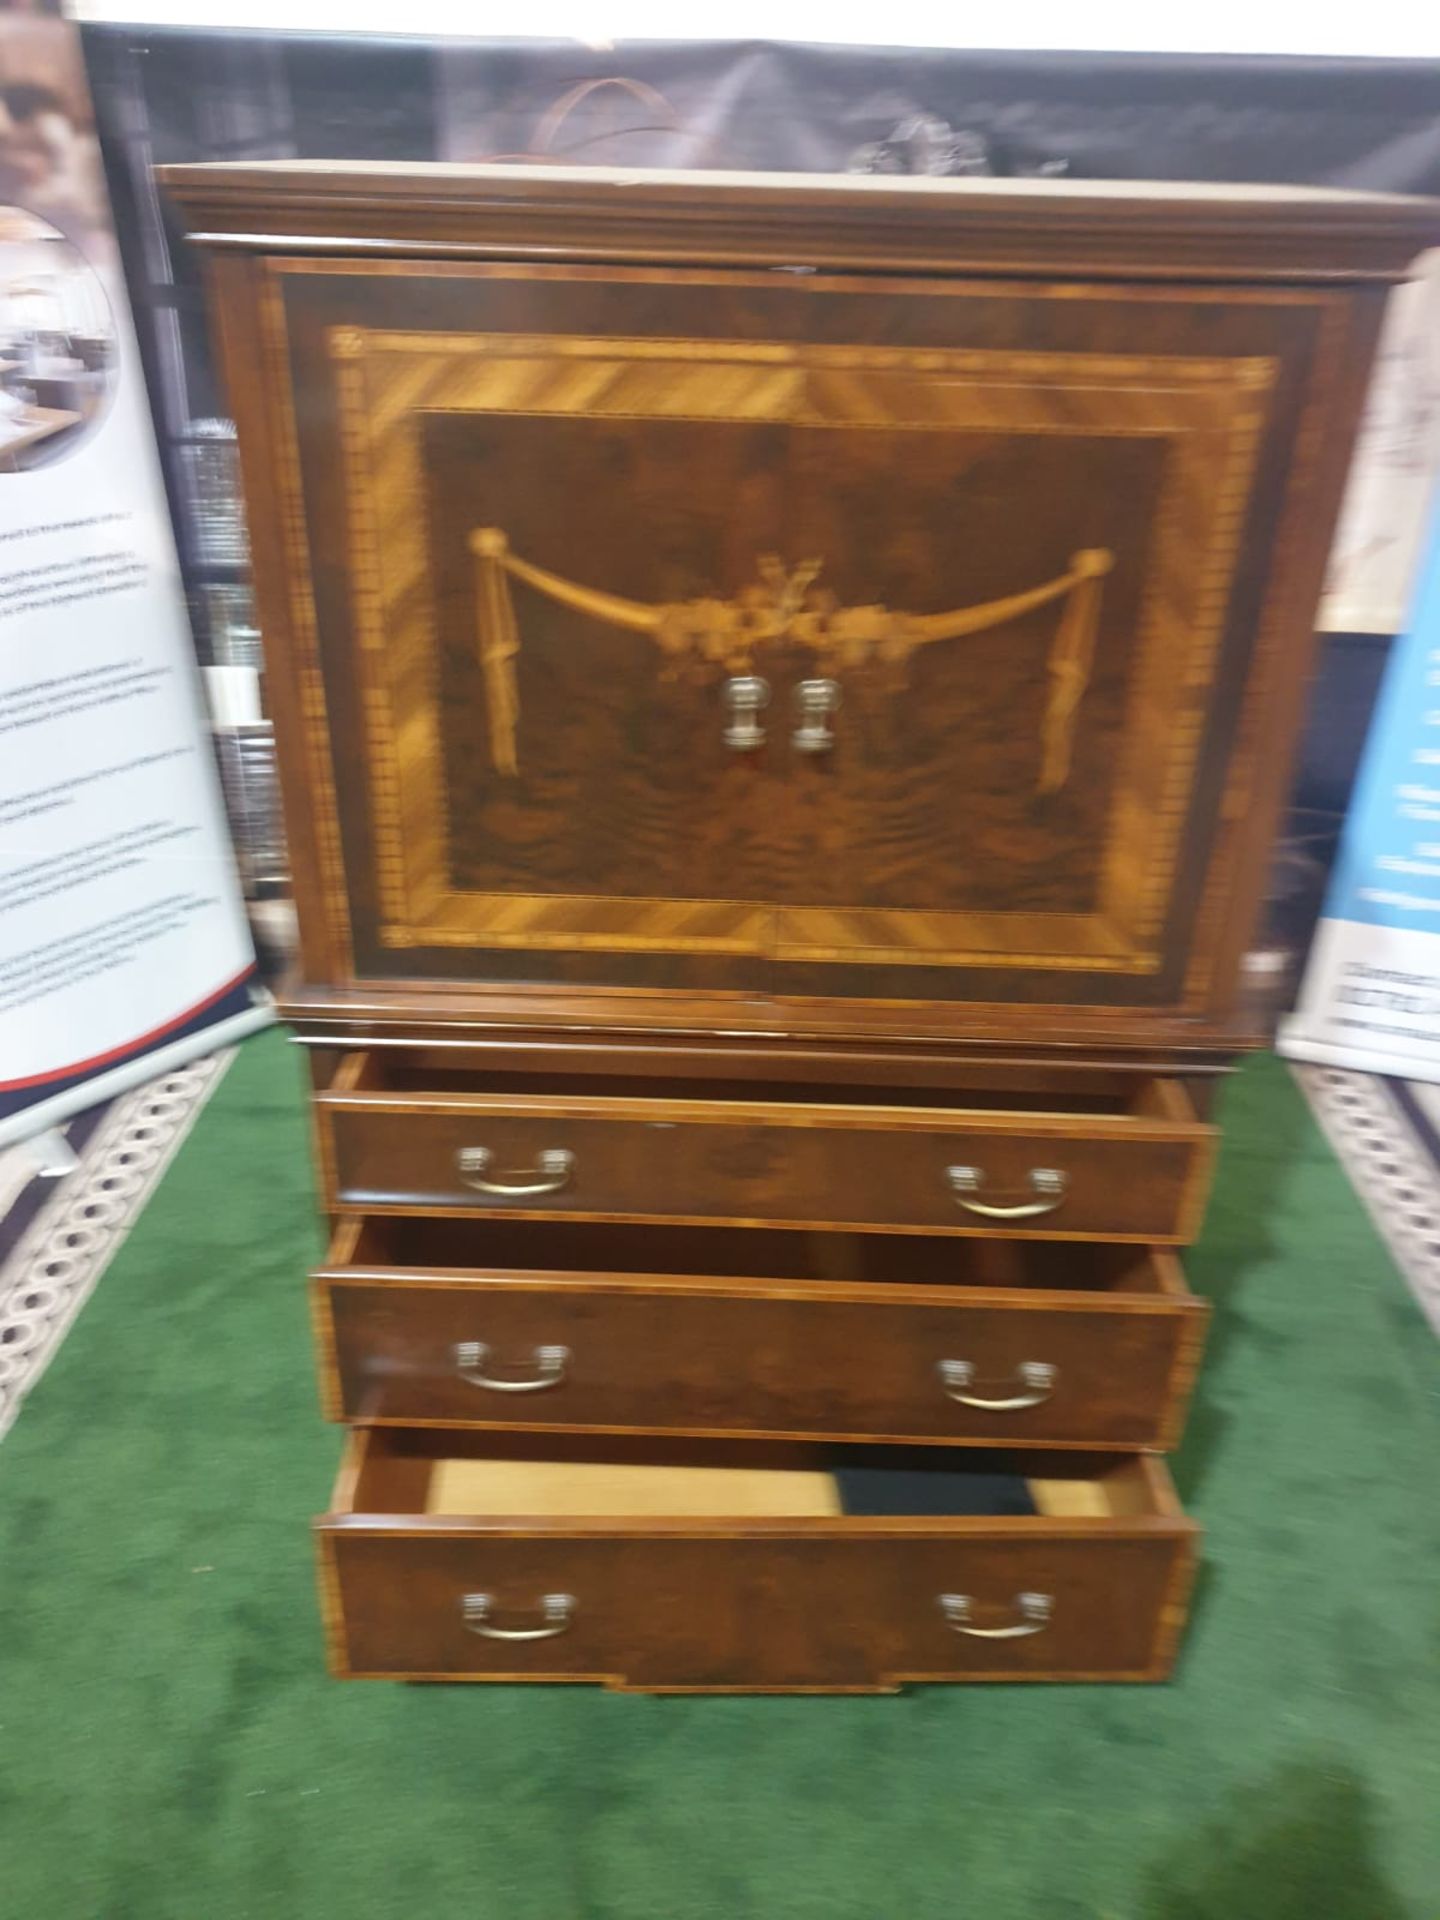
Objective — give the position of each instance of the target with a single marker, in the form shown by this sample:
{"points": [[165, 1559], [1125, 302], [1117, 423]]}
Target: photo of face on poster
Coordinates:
{"points": [[49, 156], [57, 337]]}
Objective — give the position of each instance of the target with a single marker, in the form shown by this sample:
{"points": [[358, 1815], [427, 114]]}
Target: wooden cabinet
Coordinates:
{"points": [[784, 687]]}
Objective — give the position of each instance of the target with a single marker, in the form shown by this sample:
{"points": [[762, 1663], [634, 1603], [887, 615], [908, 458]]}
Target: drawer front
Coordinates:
{"points": [[877, 1362], [898, 1170], [848, 1613]]}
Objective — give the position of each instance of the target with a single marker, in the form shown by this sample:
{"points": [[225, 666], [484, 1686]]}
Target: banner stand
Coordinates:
{"points": [[1370, 997], [49, 1113], [124, 944]]}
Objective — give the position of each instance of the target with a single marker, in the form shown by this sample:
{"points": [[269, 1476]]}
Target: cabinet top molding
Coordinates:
{"points": [[1088, 228]]}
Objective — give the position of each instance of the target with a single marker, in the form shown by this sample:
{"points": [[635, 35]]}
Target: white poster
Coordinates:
{"points": [[123, 940], [1397, 457]]}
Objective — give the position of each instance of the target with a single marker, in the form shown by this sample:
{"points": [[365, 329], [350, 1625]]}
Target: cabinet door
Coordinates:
{"points": [[790, 634]]}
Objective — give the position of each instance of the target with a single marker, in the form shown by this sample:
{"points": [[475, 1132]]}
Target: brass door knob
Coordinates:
{"points": [[816, 704], [746, 696]]}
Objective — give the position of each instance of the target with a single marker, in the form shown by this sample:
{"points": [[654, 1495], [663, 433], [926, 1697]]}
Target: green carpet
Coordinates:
{"points": [[171, 1747]]}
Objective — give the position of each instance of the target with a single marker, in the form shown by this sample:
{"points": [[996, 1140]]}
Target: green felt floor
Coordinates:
{"points": [[170, 1746]]}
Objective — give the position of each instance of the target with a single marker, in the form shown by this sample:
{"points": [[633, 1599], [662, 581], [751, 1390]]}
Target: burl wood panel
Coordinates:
{"points": [[709, 1356], [682, 510]]}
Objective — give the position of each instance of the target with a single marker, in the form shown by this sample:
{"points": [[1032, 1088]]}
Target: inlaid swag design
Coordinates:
{"points": [[699, 637]]}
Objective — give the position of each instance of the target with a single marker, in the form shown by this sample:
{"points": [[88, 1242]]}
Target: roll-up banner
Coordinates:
{"points": [[124, 947], [1370, 997]]}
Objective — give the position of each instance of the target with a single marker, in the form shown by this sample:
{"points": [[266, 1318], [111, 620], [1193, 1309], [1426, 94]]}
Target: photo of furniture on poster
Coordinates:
{"points": [[57, 343]]}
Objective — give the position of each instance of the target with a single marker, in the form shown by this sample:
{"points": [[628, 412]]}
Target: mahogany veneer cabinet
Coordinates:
{"points": [[784, 688]]}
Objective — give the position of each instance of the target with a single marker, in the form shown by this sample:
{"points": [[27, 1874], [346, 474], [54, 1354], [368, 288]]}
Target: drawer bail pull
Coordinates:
{"points": [[1037, 1377], [1034, 1609], [557, 1610], [1048, 1184], [549, 1363], [551, 1172]]}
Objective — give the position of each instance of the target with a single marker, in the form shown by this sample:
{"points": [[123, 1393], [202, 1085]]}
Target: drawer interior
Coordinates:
{"points": [[1119, 1095], [553, 1477], [427, 1245]]}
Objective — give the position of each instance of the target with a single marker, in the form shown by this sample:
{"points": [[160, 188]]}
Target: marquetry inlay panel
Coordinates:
{"points": [[1208, 413]]}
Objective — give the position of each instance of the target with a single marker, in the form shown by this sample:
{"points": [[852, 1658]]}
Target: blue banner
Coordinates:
{"points": [[1371, 992]]}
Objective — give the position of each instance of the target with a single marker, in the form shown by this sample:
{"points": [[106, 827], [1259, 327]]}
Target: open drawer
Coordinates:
{"points": [[705, 1567], [720, 1331], [1126, 1161]]}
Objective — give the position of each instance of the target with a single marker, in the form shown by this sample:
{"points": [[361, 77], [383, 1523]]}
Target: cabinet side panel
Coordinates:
{"points": [[1262, 766], [245, 319]]}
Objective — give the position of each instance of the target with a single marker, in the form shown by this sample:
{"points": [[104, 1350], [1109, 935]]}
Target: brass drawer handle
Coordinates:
{"points": [[1034, 1609], [550, 1363], [1048, 1185], [1037, 1377], [557, 1610], [551, 1172]]}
